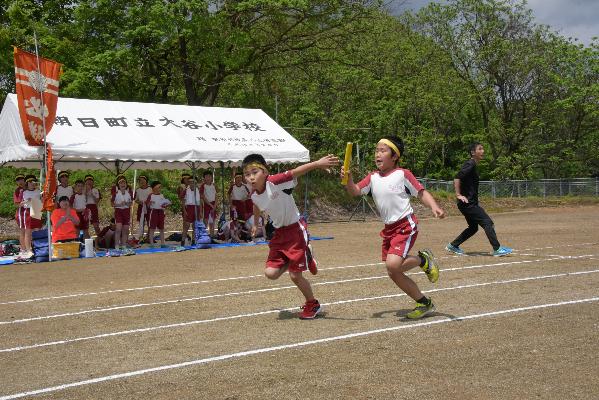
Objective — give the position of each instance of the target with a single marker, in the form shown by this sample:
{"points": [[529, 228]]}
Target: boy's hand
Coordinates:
{"points": [[343, 173], [461, 198], [438, 212], [254, 231], [327, 161]]}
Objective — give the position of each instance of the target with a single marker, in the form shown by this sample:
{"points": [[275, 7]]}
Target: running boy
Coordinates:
{"points": [[391, 187], [289, 248], [156, 203], [208, 192]]}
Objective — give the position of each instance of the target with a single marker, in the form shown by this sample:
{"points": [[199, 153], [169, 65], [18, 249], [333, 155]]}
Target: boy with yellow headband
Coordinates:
{"points": [[391, 188], [289, 248]]}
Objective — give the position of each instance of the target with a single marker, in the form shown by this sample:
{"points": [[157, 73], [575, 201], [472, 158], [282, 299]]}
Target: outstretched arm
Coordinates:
{"points": [[352, 188], [325, 162]]}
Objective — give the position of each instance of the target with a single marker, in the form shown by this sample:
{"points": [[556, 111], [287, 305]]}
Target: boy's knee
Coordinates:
{"points": [[394, 266], [271, 273]]}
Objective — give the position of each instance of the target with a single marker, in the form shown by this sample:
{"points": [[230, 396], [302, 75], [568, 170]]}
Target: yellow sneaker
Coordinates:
{"points": [[421, 310], [430, 267]]}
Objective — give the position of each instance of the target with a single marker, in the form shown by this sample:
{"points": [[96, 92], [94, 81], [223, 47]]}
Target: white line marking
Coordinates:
{"points": [[222, 280], [263, 290], [166, 285], [263, 350], [259, 313]]}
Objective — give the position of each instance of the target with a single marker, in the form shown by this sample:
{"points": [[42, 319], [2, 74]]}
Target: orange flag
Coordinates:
{"points": [[37, 95], [31, 86]]}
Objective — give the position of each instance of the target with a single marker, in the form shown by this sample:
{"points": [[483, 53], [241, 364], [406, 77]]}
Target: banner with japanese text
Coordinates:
{"points": [[37, 93]]}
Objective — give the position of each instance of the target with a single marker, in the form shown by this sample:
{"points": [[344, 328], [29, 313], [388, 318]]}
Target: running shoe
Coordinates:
{"points": [[502, 251], [454, 249], [310, 309], [430, 267], [421, 310]]}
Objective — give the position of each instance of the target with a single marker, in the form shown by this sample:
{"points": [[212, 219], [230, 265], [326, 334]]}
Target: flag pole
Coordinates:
{"points": [[41, 92]]}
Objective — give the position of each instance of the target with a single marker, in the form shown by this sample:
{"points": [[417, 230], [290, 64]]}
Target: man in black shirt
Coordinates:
{"points": [[466, 190]]}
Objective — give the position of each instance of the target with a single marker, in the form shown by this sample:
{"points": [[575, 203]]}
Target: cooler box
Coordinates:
{"points": [[65, 250]]}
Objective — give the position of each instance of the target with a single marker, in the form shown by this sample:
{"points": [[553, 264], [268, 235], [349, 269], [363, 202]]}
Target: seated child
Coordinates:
{"points": [[105, 239]]}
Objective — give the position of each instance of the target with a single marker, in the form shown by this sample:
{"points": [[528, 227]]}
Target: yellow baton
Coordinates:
{"points": [[347, 162]]}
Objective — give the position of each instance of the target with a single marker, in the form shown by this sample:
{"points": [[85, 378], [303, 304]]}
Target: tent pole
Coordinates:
{"points": [[195, 202], [222, 186], [133, 202], [43, 169]]}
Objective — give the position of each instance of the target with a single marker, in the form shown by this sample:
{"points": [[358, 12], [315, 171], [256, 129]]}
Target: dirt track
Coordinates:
{"points": [[60, 310]]}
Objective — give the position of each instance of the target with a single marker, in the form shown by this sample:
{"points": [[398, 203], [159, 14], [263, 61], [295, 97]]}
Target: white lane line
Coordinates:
{"points": [[263, 290], [259, 313], [150, 287], [169, 285], [518, 251], [223, 357]]}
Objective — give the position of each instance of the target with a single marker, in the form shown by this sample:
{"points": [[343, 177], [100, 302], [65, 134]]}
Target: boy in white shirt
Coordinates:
{"points": [[391, 188], [79, 204], [289, 249], [208, 192], [156, 203], [192, 200]]}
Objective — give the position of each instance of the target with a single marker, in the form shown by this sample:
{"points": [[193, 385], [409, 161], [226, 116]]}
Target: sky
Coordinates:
{"points": [[571, 18]]}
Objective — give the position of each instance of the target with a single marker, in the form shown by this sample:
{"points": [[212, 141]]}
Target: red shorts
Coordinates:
{"points": [[400, 236], [192, 213], [210, 212], [24, 220], [122, 216], [83, 219], [238, 209], [156, 218], [94, 216], [289, 245], [249, 208], [138, 214]]}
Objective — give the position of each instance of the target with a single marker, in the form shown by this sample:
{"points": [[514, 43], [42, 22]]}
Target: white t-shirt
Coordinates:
{"points": [[92, 195], [391, 193], [63, 191], [192, 198], [158, 201], [276, 199], [239, 193], [121, 197], [31, 194], [78, 201], [142, 194], [209, 191]]}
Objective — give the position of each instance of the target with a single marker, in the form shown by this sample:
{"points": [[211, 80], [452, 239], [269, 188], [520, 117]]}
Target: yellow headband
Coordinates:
{"points": [[256, 165], [391, 145]]}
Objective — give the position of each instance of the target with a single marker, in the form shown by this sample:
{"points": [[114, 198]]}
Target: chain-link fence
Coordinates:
{"points": [[525, 188]]}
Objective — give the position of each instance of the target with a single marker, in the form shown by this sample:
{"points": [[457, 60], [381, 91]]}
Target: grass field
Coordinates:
{"points": [[206, 324]]}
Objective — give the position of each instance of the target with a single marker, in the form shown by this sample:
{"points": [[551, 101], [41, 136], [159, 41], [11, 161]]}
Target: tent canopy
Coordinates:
{"points": [[93, 134]]}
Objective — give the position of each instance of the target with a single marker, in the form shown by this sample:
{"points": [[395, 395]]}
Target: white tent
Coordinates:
{"points": [[92, 134]]}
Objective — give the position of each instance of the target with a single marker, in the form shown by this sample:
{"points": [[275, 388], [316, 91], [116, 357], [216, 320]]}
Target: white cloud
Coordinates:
{"points": [[570, 18]]}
